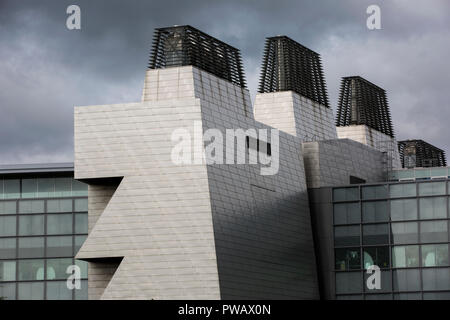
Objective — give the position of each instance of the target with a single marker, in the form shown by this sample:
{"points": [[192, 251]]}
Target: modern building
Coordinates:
{"points": [[178, 209], [43, 223], [418, 153]]}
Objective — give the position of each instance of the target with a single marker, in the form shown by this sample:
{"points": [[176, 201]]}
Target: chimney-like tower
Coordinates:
{"points": [[363, 103], [287, 65], [185, 45], [418, 153]]}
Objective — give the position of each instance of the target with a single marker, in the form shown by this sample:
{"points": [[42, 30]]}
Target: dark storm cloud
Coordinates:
{"points": [[46, 69]]}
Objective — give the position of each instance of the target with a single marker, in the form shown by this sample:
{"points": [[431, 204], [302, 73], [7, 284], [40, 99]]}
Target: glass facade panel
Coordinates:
{"points": [[405, 232], [82, 293], [345, 194], [31, 225], [347, 259], [347, 236], [31, 270], [8, 291], [406, 280], [404, 209], [57, 290], [62, 205], [56, 268], [422, 173], [31, 247], [7, 248], [79, 189], [31, 290], [435, 255], [7, 270], [29, 188], [436, 279], [59, 246], [11, 188], [439, 172], [433, 231], [402, 190], [81, 223], [46, 187], [431, 188], [375, 211], [349, 282], [83, 268], [405, 256], [59, 224], [63, 187], [374, 192], [8, 207], [385, 296], [376, 233], [7, 226], [436, 296], [79, 240], [81, 205], [347, 213], [408, 296], [378, 256], [31, 206], [433, 208]]}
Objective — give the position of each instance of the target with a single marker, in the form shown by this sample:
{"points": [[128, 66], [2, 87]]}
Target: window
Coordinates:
{"points": [[31, 206], [7, 248], [7, 270], [431, 188], [82, 294], [347, 259], [406, 280], [405, 232], [31, 291], [375, 211], [405, 209], [46, 187], [433, 208], [376, 233], [57, 290], [347, 213], [63, 187], [55, 206], [7, 207], [81, 205], [83, 267], [405, 256], [31, 270], [31, 225], [81, 223], [436, 279], [435, 255], [347, 236], [59, 224], [436, 296], [8, 291], [56, 268], [79, 189], [374, 192], [59, 246], [402, 190], [11, 188], [31, 247], [348, 282], [378, 256], [345, 194], [433, 231], [7, 226], [29, 188], [79, 240]]}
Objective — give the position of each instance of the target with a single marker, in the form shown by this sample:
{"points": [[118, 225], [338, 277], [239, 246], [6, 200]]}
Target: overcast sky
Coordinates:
{"points": [[46, 69]]}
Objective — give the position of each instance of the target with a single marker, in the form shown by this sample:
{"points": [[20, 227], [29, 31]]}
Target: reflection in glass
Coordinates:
{"points": [[348, 259], [56, 268], [405, 232], [433, 208], [433, 231], [404, 209], [378, 256], [31, 269], [435, 255], [7, 270], [405, 256]]}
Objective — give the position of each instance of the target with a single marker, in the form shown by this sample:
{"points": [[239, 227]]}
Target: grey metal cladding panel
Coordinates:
{"points": [[262, 229]]}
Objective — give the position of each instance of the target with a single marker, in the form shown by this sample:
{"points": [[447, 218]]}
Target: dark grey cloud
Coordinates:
{"points": [[46, 69]]}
